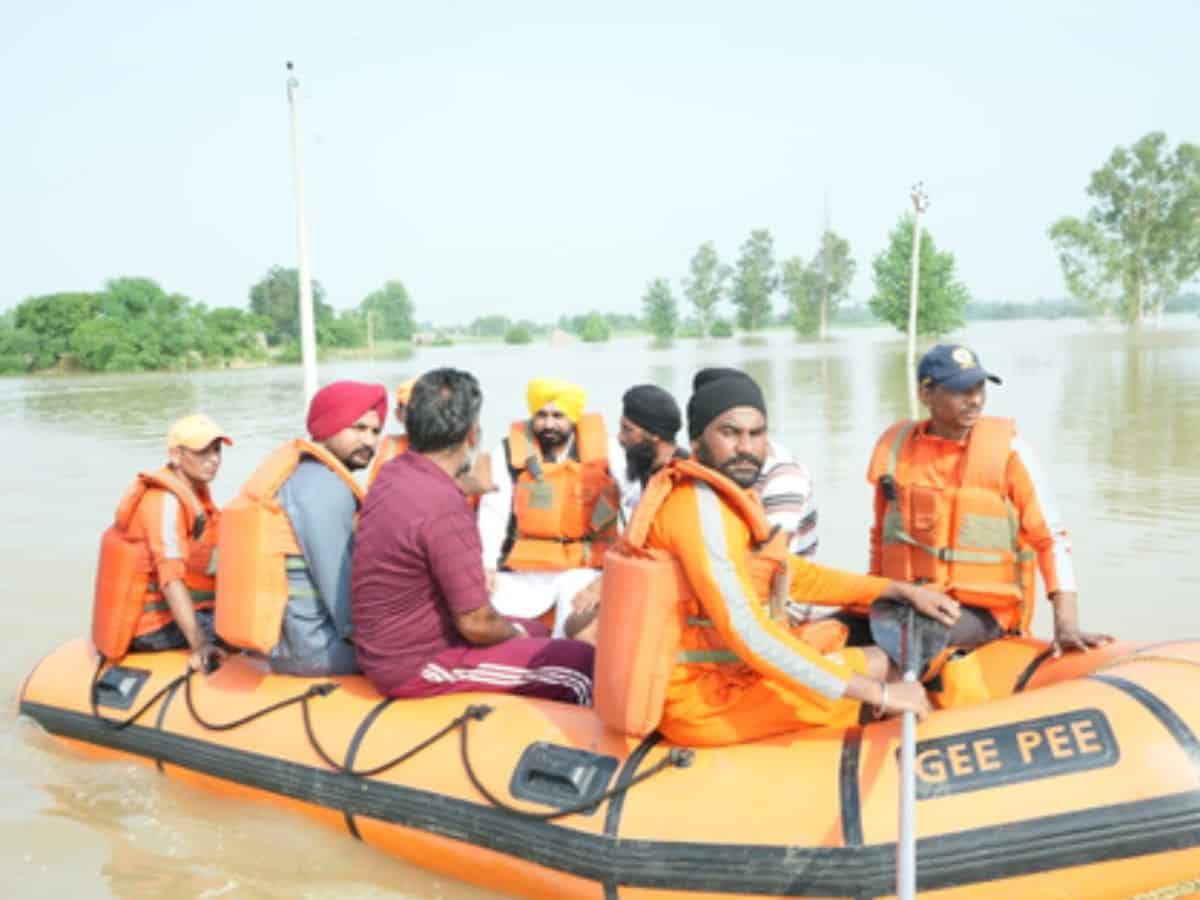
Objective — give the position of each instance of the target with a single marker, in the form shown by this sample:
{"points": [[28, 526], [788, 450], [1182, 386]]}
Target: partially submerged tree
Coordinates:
{"points": [[661, 310], [754, 280], [1140, 241], [941, 296], [816, 290], [705, 284]]}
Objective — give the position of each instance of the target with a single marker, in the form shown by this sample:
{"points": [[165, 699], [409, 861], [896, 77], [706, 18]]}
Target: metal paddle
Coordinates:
{"points": [[911, 640]]}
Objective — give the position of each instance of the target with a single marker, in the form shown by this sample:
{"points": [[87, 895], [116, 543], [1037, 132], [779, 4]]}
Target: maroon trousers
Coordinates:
{"points": [[553, 669]]}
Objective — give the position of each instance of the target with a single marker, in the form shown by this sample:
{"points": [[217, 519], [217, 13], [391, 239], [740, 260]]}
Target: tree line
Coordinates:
{"points": [[134, 325], [813, 288], [1128, 257]]}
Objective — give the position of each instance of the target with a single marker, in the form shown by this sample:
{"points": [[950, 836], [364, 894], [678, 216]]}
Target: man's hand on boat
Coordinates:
{"points": [[1067, 634], [927, 601], [891, 699], [206, 657]]}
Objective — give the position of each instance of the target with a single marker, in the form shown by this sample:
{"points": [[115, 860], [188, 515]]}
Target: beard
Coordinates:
{"points": [[742, 477], [468, 462], [359, 459], [551, 440], [639, 461]]}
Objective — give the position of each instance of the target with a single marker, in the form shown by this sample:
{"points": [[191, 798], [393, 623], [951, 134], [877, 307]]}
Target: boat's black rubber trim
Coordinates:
{"points": [[1031, 669], [162, 715], [1171, 720], [1041, 844], [352, 751], [616, 806], [851, 801]]}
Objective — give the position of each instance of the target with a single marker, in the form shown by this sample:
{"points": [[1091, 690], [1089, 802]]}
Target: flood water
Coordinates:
{"points": [[1114, 416]]}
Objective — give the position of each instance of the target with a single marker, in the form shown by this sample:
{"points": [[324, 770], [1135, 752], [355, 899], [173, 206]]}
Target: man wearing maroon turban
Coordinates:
{"points": [[320, 499]]}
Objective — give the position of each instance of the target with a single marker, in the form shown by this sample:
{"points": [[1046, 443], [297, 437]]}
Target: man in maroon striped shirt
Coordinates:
{"points": [[423, 623]]}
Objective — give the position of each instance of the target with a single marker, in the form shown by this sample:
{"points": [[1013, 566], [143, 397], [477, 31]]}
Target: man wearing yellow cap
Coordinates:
{"points": [[155, 581], [474, 482], [393, 445], [553, 515]]}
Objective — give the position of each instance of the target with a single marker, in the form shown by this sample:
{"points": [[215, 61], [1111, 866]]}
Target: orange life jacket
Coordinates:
{"points": [[389, 448], [565, 513], [650, 620], [963, 540], [127, 602], [258, 548]]}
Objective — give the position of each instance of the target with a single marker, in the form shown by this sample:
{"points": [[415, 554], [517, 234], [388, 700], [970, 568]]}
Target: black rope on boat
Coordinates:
{"points": [[472, 712], [119, 724], [676, 758], [317, 690]]}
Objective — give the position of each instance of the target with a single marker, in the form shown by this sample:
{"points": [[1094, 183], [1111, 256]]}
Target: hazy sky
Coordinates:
{"points": [[540, 158]]}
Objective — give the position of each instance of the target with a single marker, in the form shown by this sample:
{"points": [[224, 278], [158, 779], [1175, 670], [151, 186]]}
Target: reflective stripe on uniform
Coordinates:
{"points": [[761, 642], [169, 526], [708, 656]]}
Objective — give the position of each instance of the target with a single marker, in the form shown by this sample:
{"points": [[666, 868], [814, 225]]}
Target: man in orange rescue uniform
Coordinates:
{"points": [[741, 673], [961, 503], [154, 586]]}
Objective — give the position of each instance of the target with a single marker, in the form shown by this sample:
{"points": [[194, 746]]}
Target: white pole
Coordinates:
{"points": [[920, 203], [308, 340], [906, 846]]}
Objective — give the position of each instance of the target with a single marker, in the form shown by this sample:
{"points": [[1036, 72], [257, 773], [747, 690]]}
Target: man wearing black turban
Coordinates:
{"points": [[701, 517], [650, 419], [784, 484]]}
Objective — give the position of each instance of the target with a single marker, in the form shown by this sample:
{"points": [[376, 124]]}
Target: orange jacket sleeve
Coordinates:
{"points": [[823, 586], [712, 545]]}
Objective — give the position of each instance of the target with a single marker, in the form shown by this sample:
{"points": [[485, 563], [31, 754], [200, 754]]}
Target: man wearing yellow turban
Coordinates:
{"points": [[548, 524]]}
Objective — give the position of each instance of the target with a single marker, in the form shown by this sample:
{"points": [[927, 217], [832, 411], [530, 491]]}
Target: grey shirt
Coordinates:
{"points": [[316, 634]]}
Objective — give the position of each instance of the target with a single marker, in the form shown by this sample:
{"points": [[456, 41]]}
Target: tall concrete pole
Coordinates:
{"points": [[308, 340], [920, 202]]}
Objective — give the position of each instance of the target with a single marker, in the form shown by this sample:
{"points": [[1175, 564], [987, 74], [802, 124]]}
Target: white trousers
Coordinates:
{"points": [[527, 595]]}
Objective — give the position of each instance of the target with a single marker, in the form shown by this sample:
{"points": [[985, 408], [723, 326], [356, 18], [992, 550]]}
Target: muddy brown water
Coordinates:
{"points": [[1114, 416]]}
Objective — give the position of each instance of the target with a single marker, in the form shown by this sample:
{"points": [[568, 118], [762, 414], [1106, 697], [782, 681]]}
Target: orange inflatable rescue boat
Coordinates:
{"points": [[1082, 779]]}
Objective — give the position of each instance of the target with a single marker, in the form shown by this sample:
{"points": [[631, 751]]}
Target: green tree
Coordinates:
{"points": [[392, 312], [705, 284], [596, 329], [19, 348], [232, 334], [816, 290], [721, 328], [754, 280], [489, 326], [518, 334], [51, 319], [661, 310], [1141, 239], [139, 327], [941, 297], [276, 297]]}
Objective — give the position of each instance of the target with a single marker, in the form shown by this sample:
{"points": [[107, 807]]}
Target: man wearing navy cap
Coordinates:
{"points": [[961, 503]]}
